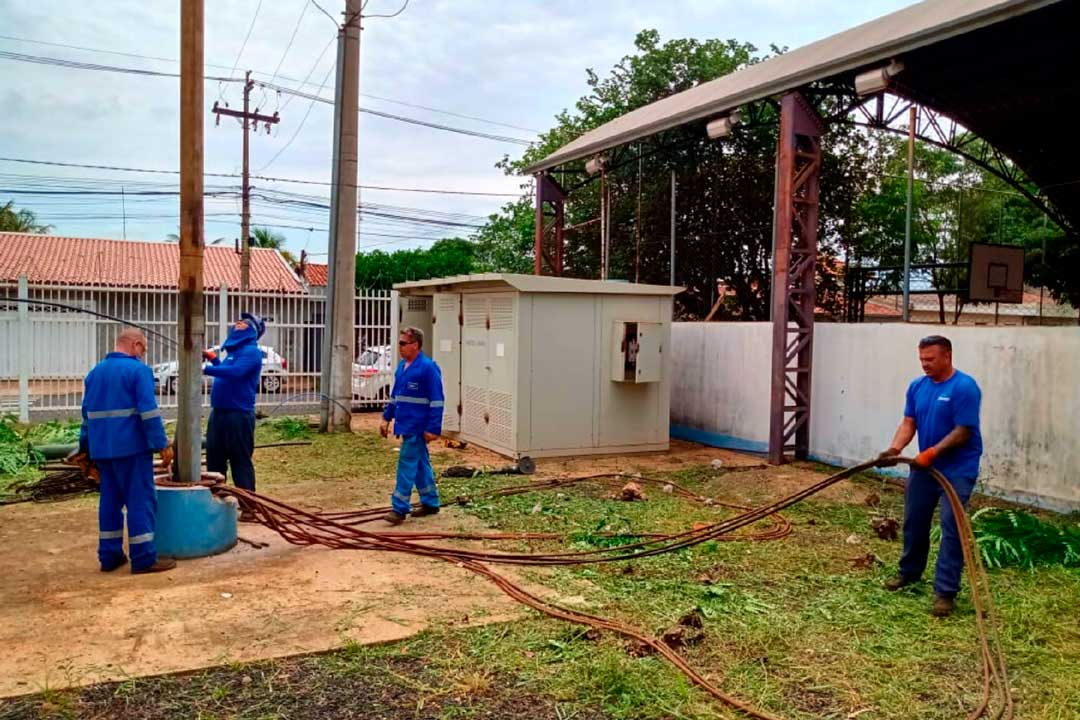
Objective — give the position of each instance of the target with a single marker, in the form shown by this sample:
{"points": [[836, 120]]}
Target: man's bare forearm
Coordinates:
{"points": [[959, 435], [904, 435]]}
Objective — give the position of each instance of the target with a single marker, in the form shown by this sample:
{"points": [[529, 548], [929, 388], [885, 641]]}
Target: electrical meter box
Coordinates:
{"points": [[638, 352], [548, 366]]}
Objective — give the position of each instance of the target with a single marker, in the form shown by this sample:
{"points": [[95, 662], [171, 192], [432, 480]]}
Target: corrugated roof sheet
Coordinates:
{"points": [[56, 259], [871, 43]]}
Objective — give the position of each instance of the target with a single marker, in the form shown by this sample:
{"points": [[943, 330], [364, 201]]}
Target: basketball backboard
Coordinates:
{"points": [[996, 273]]}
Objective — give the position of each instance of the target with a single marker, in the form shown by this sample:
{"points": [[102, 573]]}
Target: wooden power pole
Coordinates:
{"points": [[191, 323], [339, 347], [250, 121]]}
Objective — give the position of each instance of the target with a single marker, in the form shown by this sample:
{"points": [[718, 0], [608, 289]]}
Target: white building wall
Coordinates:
{"points": [[1030, 378]]}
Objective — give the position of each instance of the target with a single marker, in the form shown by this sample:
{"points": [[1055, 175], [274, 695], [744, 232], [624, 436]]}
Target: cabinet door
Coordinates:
{"points": [[446, 351]]}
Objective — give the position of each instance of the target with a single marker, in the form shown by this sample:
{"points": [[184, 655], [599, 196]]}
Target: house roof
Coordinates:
{"points": [[532, 284], [877, 41], [316, 275], [54, 259]]}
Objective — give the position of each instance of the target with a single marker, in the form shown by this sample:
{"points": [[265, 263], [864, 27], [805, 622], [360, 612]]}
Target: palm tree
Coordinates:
{"points": [[266, 238], [12, 220]]}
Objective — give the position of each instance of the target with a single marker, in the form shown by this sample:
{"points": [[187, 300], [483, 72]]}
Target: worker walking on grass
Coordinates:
{"points": [[416, 407], [121, 431], [230, 432], [943, 408]]}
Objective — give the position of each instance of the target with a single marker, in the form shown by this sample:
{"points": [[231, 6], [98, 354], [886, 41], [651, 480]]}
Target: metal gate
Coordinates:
{"points": [[48, 347]]}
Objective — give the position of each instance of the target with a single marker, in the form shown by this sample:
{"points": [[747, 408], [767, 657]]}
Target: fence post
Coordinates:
{"points": [[26, 350], [395, 315], [223, 313]]}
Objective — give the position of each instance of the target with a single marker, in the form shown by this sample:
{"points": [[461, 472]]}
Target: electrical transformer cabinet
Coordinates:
{"points": [[542, 366]]}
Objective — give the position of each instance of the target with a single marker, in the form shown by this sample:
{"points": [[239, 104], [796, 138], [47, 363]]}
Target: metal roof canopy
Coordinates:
{"points": [[1005, 69]]}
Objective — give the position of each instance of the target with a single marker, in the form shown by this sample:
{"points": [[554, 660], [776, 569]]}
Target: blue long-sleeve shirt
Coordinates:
{"points": [[236, 378], [119, 410], [416, 402]]}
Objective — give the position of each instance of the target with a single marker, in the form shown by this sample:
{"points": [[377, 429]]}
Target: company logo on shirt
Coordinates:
{"points": [[413, 385], [944, 398]]}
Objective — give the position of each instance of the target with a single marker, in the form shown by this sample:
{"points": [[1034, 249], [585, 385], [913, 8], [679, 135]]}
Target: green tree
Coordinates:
{"points": [[13, 220], [505, 243], [380, 270], [725, 189]]}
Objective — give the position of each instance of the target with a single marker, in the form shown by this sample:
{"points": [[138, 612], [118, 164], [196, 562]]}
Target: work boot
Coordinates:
{"points": [[425, 510], [118, 564], [394, 518], [898, 581], [943, 606], [246, 516], [161, 565]]}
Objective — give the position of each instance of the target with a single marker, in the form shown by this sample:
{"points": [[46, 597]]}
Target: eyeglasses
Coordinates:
{"points": [[403, 343]]}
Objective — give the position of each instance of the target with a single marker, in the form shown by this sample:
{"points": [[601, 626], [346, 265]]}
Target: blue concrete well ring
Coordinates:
{"points": [[192, 523]]}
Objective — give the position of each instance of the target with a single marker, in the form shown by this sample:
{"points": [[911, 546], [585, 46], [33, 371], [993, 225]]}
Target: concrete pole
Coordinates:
{"points": [[245, 195], [343, 282], [191, 321], [672, 243], [912, 119]]}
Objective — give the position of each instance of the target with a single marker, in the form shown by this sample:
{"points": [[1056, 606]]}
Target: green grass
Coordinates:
{"points": [[791, 626]]}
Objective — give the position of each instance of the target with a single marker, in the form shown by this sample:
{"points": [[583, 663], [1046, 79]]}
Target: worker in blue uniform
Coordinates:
{"points": [[416, 407], [121, 431], [230, 432], [943, 408]]}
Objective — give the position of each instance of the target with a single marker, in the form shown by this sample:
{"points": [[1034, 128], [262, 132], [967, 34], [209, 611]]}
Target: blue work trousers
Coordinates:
{"points": [[921, 499], [127, 482], [414, 469], [230, 443]]}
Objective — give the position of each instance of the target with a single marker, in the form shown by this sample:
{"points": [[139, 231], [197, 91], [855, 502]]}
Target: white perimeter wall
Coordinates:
{"points": [[1030, 378]]}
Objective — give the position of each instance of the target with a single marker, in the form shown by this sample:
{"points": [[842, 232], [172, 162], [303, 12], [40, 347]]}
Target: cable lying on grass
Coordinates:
{"points": [[341, 530]]}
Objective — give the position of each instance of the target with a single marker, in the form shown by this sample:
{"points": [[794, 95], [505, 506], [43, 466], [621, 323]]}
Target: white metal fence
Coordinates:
{"points": [[47, 346]]}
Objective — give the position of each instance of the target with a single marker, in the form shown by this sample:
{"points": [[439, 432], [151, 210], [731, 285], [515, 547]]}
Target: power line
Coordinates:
{"points": [[401, 118], [153, 73], [273, 76], [388, 188], [296, 28], [332, 18], [299, 127], [390, 16], [246, 38]]}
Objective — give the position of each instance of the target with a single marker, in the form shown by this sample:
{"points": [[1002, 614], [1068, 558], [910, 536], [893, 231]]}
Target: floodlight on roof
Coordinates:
{"points": [[877, 80], [595, 165], [722, 126]]}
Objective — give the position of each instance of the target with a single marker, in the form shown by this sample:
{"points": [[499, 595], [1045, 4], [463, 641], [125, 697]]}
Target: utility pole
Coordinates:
{"points": [[191, 323], [339, 348], [254, 118]]}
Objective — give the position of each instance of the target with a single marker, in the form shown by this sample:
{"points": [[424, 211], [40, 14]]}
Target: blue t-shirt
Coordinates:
{"points": [[938, 408]]}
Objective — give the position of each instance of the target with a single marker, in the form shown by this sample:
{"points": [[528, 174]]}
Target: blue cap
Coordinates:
{"points": [[256, 322]]}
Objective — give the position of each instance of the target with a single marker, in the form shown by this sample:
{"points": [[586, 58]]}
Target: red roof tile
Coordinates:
{"points": [[132, 263], [317, 275]]}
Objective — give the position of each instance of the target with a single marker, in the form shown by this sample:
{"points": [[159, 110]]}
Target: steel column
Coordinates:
{"points": [[550, 192], [798, 163]]}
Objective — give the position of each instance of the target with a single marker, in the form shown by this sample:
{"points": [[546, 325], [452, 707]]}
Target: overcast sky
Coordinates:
{"points": [[517, 63]]}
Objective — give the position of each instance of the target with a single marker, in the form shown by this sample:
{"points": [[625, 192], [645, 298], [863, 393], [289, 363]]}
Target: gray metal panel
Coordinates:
{"points": [[563, 376], [873, 42]]}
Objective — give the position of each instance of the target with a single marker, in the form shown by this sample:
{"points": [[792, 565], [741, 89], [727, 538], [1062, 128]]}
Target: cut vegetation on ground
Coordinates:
{"points": [[799, 627]]}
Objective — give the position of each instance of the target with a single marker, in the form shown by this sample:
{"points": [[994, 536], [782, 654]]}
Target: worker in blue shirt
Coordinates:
{"points": [[230, 432], [943, 408], [416, 407], [121, 431]]}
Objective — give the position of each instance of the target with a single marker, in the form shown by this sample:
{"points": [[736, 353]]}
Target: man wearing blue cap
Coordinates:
{"points": [[230, 434]]}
